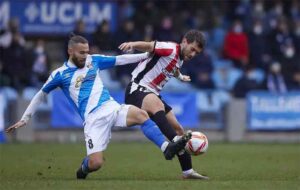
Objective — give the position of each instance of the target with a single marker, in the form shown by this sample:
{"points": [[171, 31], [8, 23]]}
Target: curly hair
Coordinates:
{"points": [[196, 36]]}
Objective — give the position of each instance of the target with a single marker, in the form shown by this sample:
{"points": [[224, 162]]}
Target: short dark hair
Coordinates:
{"points": [[195, 36], [75, 39]]}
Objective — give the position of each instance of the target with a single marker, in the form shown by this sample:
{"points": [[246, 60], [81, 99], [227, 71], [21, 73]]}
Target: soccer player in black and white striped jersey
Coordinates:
{"points": [[149, 77]]}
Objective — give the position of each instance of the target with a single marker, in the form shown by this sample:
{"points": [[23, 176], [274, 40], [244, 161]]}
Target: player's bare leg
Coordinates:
{"points": [[188, 174], [155, 107], [174, 123], [170, 149], [91, 163]]}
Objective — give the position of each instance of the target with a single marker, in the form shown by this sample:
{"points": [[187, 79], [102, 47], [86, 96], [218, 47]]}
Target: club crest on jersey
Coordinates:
{"points": [[167, 73], [79, 81]]}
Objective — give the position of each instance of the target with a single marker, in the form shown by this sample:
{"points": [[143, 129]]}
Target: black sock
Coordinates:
{"points": [[185, 161], [161, 121]]}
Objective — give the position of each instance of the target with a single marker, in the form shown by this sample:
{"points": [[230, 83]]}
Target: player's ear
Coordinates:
{"points": [[184, 41], [70, 50]]}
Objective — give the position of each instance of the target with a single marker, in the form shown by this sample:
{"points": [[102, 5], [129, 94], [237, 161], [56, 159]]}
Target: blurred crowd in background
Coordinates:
{"points": [[251, 44]]}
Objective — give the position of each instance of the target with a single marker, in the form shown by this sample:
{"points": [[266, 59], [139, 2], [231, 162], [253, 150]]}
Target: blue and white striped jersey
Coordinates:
{"points": [[82, 86]]}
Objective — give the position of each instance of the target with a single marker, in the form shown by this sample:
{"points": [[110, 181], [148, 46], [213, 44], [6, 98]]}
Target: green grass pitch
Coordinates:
{"points": [[141, 166]]}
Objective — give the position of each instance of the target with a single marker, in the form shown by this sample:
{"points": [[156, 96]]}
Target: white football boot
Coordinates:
{"points": [[194, 175]]}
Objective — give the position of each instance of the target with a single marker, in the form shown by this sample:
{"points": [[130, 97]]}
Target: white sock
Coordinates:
{"points": [[187, 172], [164, 146], [176, 138]]}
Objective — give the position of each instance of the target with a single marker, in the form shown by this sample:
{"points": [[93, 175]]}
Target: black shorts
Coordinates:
{"points": [[136, 97]]}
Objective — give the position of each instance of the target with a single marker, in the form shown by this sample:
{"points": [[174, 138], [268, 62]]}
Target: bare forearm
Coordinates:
{"points": [[139, 45], [143, 46]]}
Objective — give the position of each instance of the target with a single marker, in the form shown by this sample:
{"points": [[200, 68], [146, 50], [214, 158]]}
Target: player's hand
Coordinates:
{"points": [[126, 47], [186, 78], [15, 126]]}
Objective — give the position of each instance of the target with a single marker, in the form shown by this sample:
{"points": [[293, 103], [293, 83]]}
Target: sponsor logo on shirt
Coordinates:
{"points": [[79, 81]]}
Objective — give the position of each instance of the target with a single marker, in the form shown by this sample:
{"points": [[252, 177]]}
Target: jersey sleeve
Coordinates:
{"points": [[131, 58], [53, 82], [103, 62], [34, 103], [163, 48]]}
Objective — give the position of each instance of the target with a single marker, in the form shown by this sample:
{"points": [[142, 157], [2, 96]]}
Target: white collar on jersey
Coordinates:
{"points": [[70, 64]]}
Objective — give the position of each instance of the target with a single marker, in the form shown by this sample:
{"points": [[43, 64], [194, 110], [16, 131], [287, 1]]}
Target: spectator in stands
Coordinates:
{"points": [[103, 38], [290, 65], [147, 12], [148, 33], [165, 31], [274, 81], [41, 65], [225, 75], [246, 83], [258, 46], [6, 37], [243, 12], [217, 35], [236, 45], [80, 29], [278, 38], [258, 9], [200, 70], [8, 34], [274, 14], [128, 32], [16, 59], [126, 10]]}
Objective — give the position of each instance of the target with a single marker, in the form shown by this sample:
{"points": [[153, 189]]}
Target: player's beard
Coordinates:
{"points": [[184, 54], [77, 62]]}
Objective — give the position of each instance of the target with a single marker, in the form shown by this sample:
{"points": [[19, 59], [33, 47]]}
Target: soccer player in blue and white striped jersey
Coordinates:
{"points": [[80, 81]]}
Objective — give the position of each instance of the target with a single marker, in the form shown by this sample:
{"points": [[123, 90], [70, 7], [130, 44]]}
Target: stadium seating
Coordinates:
{"points": [[225, 75]]}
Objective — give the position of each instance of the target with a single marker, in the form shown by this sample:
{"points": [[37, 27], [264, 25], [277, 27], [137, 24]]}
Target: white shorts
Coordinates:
{"points": [[98, 124]]}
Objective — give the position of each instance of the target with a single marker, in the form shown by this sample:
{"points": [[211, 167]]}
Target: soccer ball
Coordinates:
{"points": [[198, 144]]}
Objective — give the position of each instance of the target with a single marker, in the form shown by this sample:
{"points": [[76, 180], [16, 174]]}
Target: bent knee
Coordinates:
{"points": [[141, 116]]}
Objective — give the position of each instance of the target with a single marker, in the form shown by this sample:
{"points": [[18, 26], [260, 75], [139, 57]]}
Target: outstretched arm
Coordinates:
{"points": [[106, 62], [35, 102], [130, 58], [139, 45]]}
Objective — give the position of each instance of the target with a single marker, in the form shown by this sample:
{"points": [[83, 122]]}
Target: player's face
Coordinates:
{"points": [[190, 50], [78, 54]]}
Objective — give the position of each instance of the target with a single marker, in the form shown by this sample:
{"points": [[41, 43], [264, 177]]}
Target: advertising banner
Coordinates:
{"points": [[268, 111], [57, 17], [184, 106]]}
